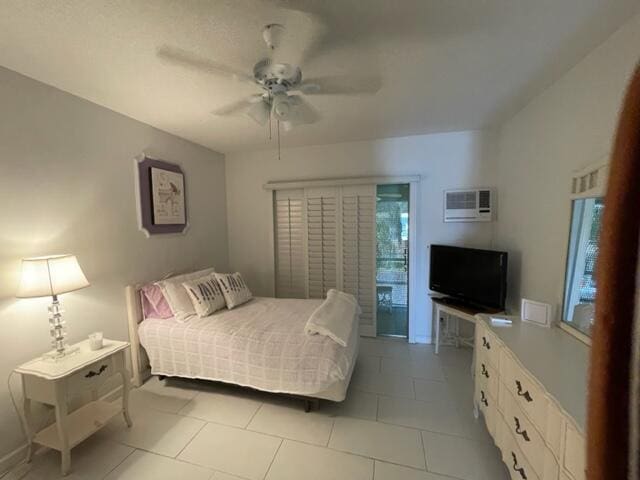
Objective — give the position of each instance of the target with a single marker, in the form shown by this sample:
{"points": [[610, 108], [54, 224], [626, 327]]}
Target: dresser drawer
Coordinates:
{"points": [[487, 346], [94, 375], [489, 408], [517, 464], [574, 453], [529, 396], [487, 377], [529, 440]]}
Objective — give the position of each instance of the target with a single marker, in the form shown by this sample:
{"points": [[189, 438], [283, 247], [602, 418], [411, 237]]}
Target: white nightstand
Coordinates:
{"points": [[53, 383]]}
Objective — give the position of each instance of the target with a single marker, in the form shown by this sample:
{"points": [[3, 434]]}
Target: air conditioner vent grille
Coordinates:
{"points": [[484, 199], [461, 200]]}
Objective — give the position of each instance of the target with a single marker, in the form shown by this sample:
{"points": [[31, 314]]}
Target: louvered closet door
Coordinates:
{"points": [[289, 218], [359, 250], [322, 245]]}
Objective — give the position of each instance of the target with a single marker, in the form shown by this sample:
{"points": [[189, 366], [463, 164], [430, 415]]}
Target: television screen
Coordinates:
{"points": [[477, 277]]}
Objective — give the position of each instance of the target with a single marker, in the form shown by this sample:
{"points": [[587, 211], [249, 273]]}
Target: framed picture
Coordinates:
{"points": [[162, 205], [167, 195]]}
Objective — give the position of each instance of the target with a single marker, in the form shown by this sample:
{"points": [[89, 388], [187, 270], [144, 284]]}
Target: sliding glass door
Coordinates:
{"points": [[392, 260]]}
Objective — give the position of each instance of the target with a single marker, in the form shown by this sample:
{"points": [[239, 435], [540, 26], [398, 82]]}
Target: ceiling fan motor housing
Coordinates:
{"points": [[277, 77]]}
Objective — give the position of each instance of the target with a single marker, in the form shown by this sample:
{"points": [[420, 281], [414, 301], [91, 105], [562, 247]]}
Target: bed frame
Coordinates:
{"points": [[141, 369]]}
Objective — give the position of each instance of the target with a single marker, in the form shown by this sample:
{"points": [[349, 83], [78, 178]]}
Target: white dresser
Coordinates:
{"points": [[531, 387]]}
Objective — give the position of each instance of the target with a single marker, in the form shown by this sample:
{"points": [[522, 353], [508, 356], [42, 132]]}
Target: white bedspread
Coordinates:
{"points": [[261, 344]]}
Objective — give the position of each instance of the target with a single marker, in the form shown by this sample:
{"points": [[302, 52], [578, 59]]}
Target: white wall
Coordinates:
{"points": [[66, 185], [568, 126], [443, 160]]}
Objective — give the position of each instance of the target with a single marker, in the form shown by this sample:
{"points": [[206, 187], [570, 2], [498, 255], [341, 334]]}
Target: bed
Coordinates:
{"points": [[261, 345]]}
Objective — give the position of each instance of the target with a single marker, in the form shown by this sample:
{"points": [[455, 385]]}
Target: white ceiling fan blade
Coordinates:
{"points": [[183, 58], [341, 85], [302, 113], [238, 106], [259, 112]]}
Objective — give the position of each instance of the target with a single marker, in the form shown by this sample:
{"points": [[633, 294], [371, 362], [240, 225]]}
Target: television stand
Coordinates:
{"points": [[446, 307]]}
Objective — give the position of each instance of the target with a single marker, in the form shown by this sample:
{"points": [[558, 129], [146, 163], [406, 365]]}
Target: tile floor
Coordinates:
{"points": [[408, 416]]}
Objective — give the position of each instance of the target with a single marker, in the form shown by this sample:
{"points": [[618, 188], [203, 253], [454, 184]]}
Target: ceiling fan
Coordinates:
{"points": [[281, 84]]}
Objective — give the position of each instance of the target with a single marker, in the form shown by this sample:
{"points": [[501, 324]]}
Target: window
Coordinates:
{"points": [[580, 281]]}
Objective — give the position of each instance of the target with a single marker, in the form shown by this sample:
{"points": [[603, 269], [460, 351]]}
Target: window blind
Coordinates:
{"points": [[290, 244]]}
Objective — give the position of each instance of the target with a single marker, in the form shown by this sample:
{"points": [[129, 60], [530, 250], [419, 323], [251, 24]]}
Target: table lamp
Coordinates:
{"points": [[52, 276]]}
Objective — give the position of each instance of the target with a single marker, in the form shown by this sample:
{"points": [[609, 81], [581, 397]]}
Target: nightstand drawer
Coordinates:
{"points": [[94, 375]]}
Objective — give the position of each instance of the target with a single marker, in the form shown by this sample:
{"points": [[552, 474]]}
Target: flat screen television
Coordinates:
{"points": [[472, 276]]}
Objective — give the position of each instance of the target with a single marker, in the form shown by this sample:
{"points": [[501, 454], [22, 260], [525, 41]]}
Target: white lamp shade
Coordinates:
{"points": [[48, 276]]}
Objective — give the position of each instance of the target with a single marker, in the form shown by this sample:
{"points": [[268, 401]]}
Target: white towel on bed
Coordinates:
{"points": [[334, 317]]}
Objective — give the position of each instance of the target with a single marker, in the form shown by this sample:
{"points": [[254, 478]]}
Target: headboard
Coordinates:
{"points": [[139, 360]]}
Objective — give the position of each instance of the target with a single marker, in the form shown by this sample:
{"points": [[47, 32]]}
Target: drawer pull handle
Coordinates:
{"points": [[519, 430], [484, 371], [485, 343], [518, 469], [526, 395], [95, 374], [483, 398]]}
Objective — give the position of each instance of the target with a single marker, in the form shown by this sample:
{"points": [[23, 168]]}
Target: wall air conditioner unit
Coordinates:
{"points": [[468, 205]]}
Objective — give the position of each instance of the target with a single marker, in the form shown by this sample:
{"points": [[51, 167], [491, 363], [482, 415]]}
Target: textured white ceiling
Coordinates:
{"points": [[444, 64]]}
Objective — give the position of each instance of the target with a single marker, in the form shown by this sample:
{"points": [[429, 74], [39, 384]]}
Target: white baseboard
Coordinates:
{"points": [[10, 460]]}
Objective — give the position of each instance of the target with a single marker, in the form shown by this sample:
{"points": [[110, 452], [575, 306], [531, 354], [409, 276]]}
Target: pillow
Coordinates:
{"points": [[234, 289], [206, 295], [177, 296], [154, 305]]}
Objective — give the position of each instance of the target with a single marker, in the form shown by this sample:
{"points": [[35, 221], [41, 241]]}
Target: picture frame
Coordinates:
{"points": [[162, 199]]}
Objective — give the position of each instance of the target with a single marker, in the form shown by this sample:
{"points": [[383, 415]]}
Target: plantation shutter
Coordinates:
{"points": [[322, 232], [291, 277], [359, 249]]}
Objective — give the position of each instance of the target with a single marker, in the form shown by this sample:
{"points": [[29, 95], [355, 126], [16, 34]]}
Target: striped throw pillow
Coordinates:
{"points": [[234, 289], [205, 294]]}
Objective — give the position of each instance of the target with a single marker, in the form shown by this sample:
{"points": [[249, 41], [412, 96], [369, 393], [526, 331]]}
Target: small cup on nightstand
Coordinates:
{"points": [[95, 341]]}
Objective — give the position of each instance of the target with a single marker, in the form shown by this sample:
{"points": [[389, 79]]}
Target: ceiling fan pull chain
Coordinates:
{"points": [[270, 103], [278, 139]]}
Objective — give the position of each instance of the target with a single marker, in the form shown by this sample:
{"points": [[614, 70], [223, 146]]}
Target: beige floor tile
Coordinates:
{"points": [[423, 370], [377, 440], [222, 408], [384, 384], [293, 423], [157, 432], [463, 458], [430, 391], [93, 458], [384, 348], [144, 399], [357, 404], [148, 466], [232, 450], [389, 471], [368, 364], [432, 416], [296, 461], [225, 476]]}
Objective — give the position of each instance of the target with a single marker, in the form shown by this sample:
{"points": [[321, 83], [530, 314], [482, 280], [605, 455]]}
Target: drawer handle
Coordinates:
{"points": [[519, 430], [95, 374], [483, 398], [518, 469], [526, 395], [485, 343], [484, 371]]}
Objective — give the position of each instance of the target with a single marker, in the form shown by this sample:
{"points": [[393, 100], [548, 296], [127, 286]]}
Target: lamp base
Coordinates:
{"points": [[55, 356]]}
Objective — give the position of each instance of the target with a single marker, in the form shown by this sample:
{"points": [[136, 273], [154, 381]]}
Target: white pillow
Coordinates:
{"points": [[177, 296], [206, 295], [234, 289]]}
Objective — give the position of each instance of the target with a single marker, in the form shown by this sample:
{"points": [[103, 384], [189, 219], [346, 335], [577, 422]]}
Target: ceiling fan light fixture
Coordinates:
{"points": [[272, 35]]}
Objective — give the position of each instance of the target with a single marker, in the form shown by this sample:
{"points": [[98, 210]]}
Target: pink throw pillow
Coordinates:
{"points": [[154, 305]]}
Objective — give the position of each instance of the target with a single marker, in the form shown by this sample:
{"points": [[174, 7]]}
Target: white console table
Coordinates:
{"points": [[468, 314]]}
